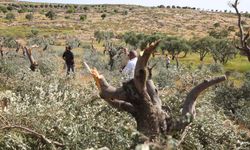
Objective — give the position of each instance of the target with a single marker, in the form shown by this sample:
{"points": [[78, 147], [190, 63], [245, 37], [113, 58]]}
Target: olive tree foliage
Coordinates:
{"points": [[175, 46], [9, 42], [235, 101], [73, 42], [223, 51], [103, 35], [44, 42], [29, 16], [203, 46], [140, 40], [106, 37], [51, 15], [10, 16], [55, 108]]}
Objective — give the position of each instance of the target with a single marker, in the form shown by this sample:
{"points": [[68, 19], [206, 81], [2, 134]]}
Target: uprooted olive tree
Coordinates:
{"points": [[139, 97]]}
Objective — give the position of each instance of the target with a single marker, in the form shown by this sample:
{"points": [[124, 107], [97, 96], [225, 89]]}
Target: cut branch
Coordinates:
{"points": [[140, 76], [189, 104], [34, 133], [33, 63], [116, 97]]}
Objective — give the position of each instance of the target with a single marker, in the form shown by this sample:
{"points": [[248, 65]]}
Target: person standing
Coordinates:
{"points": [[129, 69], [167, 61], [68, 57]]}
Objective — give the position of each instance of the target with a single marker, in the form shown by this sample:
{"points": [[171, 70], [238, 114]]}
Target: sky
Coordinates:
{"points": [[203, 4]]}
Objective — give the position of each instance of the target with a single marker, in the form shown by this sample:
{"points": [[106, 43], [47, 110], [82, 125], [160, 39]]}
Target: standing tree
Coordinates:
{"points": [[29, 17], [223, 51], [10, 16], [244, 37], [203, 46], [51, 15], [83, 17], [140, 98], [103, 16]]}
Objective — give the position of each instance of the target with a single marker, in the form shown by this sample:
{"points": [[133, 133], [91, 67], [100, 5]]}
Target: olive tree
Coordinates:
{"points": [[223, 51], [51, 15], [140, 98], [203, 46]]}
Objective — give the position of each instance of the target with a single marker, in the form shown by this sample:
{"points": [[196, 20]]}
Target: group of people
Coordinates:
{"points": [[127, 70]]}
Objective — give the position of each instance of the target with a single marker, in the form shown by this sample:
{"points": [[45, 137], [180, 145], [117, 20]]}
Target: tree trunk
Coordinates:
{"points": [[139, 97]]}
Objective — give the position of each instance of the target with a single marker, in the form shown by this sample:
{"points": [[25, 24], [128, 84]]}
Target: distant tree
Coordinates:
{"points": [[10, 16], [51, 15], [217, 24], [231, 28], [29, 17], [219, 34], [125, 12], [10, 8], [67, 17], [103, 16], [71, 10], [34, 32], [203, 46], [83, 17], [3, 9], [131, 38], [161, 6], [223, 51], [85, 8], [115, 11]]}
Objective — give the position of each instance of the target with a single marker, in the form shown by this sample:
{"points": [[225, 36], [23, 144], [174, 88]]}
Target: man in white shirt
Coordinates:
{"points": [[129, 69]]}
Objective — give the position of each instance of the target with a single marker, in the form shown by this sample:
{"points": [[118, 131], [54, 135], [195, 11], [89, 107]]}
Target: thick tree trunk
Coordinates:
{"points": [[140, 98]]}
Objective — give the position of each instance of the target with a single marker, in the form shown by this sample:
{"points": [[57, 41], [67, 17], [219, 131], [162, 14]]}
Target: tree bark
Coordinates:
{"points": [[139, 97], [244, 47]]}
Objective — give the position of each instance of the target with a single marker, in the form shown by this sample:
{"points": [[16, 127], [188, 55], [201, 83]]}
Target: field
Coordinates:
{"points": [[46, 109]]}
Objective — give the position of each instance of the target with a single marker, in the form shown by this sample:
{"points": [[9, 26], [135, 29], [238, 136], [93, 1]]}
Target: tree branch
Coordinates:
{"points": [[116, 97], [33, 63], [121, 105], [243, 38], [189, 104], [140, 76], [34, 133]]}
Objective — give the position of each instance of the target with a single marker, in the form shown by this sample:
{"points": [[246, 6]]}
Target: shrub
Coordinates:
{"points": [[71, 10], [125, 12], [34, 32], [217, 24], [67, 17], [216, 68], [23, 10], [235, 100], [51, 15], [83, 17], [10, 16], [103, 16], [29, 17], [3, 9]]}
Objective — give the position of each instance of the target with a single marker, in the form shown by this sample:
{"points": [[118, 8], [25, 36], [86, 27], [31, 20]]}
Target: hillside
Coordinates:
{"points": [[189, 87], [180, 22]]}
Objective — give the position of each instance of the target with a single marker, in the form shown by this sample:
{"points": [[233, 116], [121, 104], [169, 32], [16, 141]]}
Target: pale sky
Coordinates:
{"points": [[203, 4]]}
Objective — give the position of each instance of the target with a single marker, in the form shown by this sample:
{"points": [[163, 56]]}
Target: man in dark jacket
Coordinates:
{"points": [[68, 56]]}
